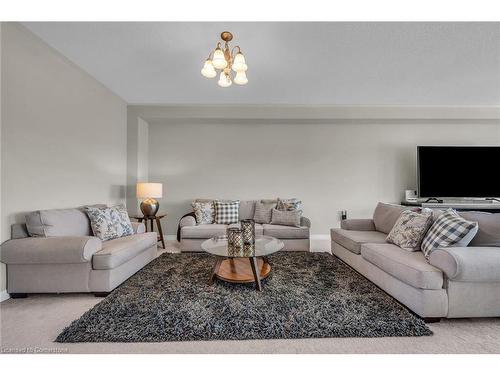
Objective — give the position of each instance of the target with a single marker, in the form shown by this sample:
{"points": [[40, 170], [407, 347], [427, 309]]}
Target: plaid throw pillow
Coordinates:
{"points": [[448, 230], [227, 212]]}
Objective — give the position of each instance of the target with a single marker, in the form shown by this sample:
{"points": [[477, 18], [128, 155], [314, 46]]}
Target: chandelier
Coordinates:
{"points": [[225, 60]]}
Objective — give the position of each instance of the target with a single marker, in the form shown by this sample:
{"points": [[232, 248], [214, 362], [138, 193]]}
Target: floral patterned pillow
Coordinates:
{"points": [[109, 222], [410, 229], [204, 212], [292, 204]]}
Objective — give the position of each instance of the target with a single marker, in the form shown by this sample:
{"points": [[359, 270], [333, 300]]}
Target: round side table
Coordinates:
{"points": [[152, 220]]}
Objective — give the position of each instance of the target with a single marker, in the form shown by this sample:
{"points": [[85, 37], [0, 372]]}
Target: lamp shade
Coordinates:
{"points": [[149, 190], [241, 78], [224, 79], [208, 69], [239, 64], [218, 60]]}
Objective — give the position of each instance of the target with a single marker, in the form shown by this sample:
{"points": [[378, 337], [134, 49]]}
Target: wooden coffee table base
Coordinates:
{"points": [[241, 270]]}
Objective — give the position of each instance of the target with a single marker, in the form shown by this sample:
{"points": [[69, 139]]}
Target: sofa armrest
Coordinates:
{"points": [[138, 227], [358, 224], [305, 222], [187, 221], [50, 250], [468, 264]]}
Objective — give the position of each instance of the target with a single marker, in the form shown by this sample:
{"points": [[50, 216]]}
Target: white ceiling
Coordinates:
{"points": [[290, 63]]}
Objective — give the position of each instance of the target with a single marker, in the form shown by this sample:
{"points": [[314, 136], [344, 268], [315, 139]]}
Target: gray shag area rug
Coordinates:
{"points": [[307, 295]]}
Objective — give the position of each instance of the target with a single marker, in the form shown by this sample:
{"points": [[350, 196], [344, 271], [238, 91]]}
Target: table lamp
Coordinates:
{"points": [[149, 191]]}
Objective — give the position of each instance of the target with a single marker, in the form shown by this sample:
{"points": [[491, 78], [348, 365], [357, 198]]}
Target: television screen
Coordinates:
{"points": [[456, 171]]}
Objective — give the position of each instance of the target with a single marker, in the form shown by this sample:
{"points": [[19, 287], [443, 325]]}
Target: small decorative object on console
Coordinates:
{"points": [[248, 229], [411, 195]]}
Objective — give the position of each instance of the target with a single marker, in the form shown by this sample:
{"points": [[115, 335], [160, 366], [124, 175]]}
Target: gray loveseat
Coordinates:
{"points": [[66, 257], [294, 238], [456, 282]]}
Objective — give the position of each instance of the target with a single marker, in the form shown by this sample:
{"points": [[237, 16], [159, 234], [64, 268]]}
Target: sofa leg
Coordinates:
{"points": [[432, 320], [101, 294], [18, 295]]}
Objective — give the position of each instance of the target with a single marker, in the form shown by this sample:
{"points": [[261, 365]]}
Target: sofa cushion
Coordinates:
{"points": [[56, 223], [203, 231], [263, 212], [386, 215], [290, 217], [120, 250], [410, 267], [352, 239], [285, 232], [247, 210], [489, 228]]}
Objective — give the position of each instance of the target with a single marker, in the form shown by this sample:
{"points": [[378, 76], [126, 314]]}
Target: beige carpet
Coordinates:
{"points": [[32, 324]]}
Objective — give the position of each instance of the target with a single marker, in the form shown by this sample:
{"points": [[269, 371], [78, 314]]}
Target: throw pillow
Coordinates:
{"points": [[410, 228], [289, 218], [288, 204], [204, 212], [263, 212], [227, 212], [109, 222], [449, 230]]}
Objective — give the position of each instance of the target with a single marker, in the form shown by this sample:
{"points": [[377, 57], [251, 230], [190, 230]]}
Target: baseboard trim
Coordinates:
{"points": [[320, 237], [172, 237], [4, 295], [320, 242]]}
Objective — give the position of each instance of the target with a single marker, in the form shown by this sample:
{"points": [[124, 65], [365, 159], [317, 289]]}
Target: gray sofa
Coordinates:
{"points": [[294, 238], [64, 256], [456, 282]]}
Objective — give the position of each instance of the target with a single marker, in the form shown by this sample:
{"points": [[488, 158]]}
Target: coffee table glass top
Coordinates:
{"points": [[264, 245]]}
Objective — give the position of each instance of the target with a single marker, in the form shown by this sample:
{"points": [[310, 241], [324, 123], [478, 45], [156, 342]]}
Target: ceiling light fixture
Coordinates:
{"points": [[224, 59]]}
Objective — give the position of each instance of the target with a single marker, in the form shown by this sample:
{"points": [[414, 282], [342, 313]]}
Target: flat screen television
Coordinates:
{"points": [[458, 171]]}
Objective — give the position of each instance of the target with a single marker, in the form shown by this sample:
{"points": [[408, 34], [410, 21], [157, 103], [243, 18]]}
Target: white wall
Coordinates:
{"points": [[344, 164], [3, 285], [63, 133], [137, 159]]}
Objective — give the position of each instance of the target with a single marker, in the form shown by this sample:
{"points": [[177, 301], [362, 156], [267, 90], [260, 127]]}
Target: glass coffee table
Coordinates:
{"points": [[242, 265]]}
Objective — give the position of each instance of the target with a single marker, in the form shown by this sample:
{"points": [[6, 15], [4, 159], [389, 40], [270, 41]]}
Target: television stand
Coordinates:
{"points": [[485, 206], [492, 199], [436, 200]]}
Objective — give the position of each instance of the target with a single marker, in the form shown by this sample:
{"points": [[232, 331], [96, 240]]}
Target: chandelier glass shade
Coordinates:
{"points": [[208, 69], [225, 59]]}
